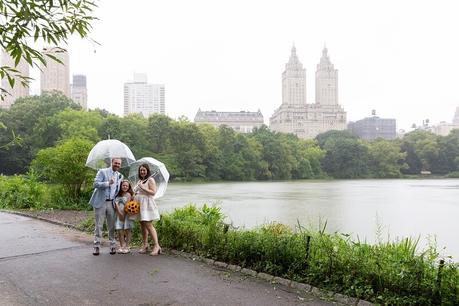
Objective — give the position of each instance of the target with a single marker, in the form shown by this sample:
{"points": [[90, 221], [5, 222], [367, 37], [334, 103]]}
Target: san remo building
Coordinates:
{"points": [[308, 120]]}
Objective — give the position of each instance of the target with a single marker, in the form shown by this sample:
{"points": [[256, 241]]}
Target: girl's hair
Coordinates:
{"points": [[148, 171], [121, 192]]}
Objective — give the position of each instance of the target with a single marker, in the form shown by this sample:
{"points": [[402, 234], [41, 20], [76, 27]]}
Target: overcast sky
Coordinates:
{"points": [[400, 58]]}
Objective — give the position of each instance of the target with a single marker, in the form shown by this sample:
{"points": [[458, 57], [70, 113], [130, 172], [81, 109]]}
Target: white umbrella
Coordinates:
{"points": [[102, 153], [158, 172]]}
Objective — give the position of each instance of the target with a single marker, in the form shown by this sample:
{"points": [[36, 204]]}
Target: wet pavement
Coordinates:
{"points": [[47, 264]]}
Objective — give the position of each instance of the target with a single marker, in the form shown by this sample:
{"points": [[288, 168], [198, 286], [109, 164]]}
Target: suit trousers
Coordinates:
{"points": [[105, 212]]}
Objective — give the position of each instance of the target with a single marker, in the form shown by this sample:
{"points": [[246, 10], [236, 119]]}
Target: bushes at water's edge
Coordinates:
{"points": [[26, 192], [387, 273]]}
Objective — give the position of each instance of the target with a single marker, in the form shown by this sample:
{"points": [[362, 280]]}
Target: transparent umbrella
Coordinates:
{"points": [[102, 153], [158, 172]]}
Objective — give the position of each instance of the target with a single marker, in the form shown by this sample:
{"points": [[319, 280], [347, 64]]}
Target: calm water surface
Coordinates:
{"points": [[399, 208]]}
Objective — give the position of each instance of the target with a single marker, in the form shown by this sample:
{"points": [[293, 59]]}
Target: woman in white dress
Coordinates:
{"points": [[144, 192]]}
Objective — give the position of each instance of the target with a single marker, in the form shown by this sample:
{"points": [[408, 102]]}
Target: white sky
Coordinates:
{"points": [[398, 57]]}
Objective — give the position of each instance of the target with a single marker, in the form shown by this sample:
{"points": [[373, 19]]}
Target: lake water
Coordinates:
{"points": [[362, 208]]}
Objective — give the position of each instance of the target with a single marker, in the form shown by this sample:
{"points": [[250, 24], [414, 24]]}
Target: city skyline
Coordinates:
{"points": [[229, 57]]}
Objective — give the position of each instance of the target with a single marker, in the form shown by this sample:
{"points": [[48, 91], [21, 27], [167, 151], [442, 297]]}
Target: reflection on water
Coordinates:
{"points": [[401, 208]]}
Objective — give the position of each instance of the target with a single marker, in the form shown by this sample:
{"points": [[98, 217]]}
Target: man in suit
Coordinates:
{"points": [[106, 184]]}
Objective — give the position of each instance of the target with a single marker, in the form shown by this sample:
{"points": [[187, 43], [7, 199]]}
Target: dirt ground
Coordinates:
{"points": [[72, 217]]}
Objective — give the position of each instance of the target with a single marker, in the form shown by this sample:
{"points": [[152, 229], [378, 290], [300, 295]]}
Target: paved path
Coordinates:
{"points": [[46, 264]]}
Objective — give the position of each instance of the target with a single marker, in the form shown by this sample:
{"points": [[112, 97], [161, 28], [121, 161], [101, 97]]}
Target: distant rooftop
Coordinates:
{"points": [[228, 116]]}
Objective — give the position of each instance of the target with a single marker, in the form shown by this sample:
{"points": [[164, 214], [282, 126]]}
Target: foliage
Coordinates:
{"points": [[390, 273], [385, 159], [24, 24], [188, 147], [422, 151], [30, 118], [6, 143], [346, 158], [204, 152], [65, 164], [28, 192], [274, 153], [20, 192], [73, 123]]}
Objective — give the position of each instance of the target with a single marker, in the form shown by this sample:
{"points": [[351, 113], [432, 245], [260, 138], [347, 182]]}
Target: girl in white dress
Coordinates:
{"points": [[144, 192], [123, 224]]}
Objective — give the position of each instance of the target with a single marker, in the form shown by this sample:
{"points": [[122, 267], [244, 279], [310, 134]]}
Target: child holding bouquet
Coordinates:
{"points": [[123, 224]]}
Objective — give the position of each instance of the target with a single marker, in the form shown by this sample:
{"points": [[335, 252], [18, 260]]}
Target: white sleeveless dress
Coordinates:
{"points": [[148, 208]]}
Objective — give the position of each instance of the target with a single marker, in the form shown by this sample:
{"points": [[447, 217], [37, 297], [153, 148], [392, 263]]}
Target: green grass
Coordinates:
{"points": [[387, 273], [391, 273]]}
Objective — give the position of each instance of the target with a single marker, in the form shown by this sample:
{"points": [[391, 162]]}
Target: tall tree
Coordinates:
{"points": [[64, 164], [30, 118], [385, 159], [449, 152], [346, 158], [274, 154], [78, 123], [159, 130], [188, 147], [422, 151]]}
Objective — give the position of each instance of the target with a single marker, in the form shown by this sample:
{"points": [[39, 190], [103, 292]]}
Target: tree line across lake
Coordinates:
{"points": [[52, 134]]}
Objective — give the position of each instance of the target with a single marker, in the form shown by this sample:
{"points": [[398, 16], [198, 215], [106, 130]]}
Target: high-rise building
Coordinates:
{"points": [[326, 81], [374, 127], [242, 121], [308, 120], [55, 75], [18, 90], [79, 90], [143, 98], [294, 82]]}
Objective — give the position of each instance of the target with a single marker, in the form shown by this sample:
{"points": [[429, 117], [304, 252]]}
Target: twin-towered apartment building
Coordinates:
{"points": [[298, 117], [294, 115]]}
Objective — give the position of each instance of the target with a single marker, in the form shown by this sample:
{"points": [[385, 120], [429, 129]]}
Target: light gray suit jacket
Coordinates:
{"points": [[101, 184]]}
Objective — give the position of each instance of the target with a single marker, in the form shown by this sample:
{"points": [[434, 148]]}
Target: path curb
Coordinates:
{"points": [[321, 293], [23, 214]]}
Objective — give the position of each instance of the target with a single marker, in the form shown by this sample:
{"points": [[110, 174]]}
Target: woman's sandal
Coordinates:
{"points": [[153, 253], [143, 250]]}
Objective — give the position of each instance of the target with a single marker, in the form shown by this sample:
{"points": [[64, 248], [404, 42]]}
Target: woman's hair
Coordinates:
{"points": [[148, 171], [121, 192]]}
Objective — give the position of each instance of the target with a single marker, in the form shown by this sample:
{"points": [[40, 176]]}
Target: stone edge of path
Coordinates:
{"points": [[25, 214], [321, 293]]}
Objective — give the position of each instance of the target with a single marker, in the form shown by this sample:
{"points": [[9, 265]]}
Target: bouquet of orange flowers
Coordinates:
{"points": [[132, 208]]}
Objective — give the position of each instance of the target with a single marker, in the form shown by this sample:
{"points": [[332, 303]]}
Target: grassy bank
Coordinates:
{"points": [[391, 273]]}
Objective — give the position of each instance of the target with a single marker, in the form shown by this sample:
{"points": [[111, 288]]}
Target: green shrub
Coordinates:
{"points": [[22, 192], [27, 192], [391, 273], [60, 199]]}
